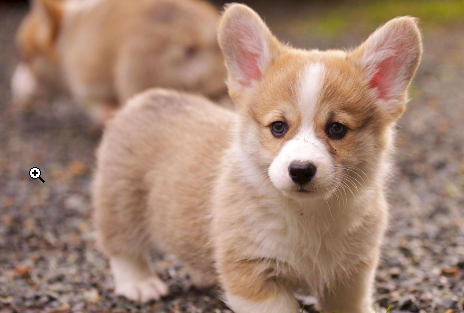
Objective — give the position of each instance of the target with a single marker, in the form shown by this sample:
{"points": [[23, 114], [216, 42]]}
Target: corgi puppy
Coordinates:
{"points": [[105, 51], [284, 195]]}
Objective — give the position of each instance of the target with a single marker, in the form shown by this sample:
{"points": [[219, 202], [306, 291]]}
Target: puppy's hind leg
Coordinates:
{"points": [[134, 279], [130, 266], [122, 231]]}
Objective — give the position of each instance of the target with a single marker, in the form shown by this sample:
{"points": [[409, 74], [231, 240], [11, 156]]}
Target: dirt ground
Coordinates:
{"points": [[48, 260]]}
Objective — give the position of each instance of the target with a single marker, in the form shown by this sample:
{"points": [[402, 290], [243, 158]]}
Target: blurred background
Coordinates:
{"points": [[47, 255]]}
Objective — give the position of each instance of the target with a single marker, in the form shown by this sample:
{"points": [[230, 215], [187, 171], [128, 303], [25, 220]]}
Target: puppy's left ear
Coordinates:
{"points": [[388, 60], [248, 48]]}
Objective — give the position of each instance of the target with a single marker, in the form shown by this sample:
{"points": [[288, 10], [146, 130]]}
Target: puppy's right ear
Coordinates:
{"points": [[248, 47]]}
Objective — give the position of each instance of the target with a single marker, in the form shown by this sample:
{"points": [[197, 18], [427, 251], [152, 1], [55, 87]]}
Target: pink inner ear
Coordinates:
{"points": [[246, 59], [384, 78], [388, 77]]}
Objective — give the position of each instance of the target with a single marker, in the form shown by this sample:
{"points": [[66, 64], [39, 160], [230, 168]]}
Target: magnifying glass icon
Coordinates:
{"points": [[35, 173]]}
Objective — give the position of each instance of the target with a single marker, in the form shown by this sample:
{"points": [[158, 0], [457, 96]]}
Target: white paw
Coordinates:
{"points": [[145, 290]]}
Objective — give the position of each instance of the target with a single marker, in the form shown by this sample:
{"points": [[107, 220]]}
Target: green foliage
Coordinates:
{"points": [[331, 26], [333, 21]]}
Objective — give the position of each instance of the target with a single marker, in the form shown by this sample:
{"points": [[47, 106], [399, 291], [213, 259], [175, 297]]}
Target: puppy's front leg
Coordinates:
{"points": [[251, 287], [280, 303], [354, 293]]}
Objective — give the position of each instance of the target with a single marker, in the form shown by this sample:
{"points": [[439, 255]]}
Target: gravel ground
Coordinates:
{"points": [[48, 260]]}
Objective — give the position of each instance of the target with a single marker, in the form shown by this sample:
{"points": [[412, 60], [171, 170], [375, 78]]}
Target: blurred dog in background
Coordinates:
{"points": [[104, 51]]}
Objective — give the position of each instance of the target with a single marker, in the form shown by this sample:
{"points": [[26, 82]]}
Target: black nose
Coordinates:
{"points": [[302, 172]]}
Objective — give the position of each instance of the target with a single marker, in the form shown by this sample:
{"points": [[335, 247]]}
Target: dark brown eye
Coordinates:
{"points": [[278, 129], [336, 131]]}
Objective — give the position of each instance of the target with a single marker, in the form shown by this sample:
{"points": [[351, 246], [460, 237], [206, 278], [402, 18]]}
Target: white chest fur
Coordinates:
{"points": [[317, 242]]}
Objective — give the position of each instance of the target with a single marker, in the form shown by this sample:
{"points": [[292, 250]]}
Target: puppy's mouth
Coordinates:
{"points": [[300, 189], [309, 191], [303, 191]]}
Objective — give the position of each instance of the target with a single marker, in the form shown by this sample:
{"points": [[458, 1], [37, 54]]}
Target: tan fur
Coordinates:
{"points": [[105, 51], [37, 44], [131, 231], [179, 174], [48, 19]]}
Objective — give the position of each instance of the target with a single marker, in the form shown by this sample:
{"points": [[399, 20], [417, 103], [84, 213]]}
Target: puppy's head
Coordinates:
{"points": [[36, 42], [312, 122]]}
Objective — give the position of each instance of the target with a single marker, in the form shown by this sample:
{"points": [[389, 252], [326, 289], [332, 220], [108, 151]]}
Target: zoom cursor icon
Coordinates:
{"points": [[35, 173]]}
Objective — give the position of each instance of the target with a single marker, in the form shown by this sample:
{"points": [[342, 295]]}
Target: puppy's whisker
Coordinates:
{"points": [[355, 168], [343, 181], [350, 180], [356, 173]]}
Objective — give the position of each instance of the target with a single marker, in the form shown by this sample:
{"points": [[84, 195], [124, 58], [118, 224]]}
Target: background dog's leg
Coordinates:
{"points": [[101, 112]]}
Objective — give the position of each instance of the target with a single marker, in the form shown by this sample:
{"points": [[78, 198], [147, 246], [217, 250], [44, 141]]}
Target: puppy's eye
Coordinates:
{"points": [[336, 130], [278, 129]]}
